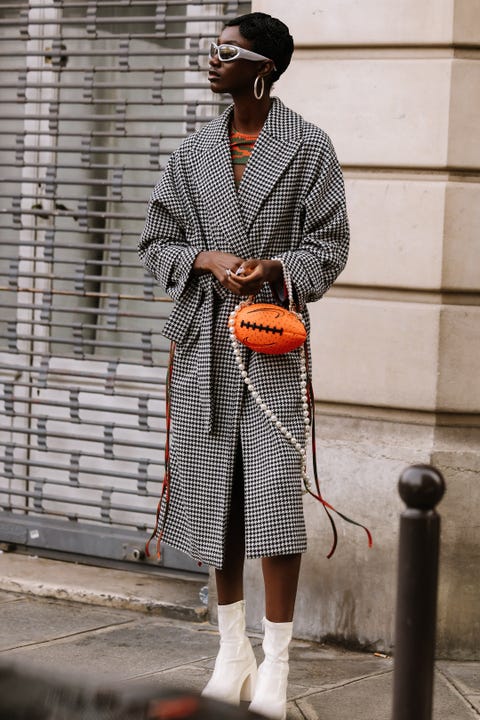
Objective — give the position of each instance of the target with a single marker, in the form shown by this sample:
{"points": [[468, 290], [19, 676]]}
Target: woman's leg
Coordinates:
{"points": [[281, 579], [230, 578], [235, 670], [280, 576]]}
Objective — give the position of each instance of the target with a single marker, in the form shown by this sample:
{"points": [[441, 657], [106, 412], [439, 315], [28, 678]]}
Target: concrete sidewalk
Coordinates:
{"points": [[129, 626]]}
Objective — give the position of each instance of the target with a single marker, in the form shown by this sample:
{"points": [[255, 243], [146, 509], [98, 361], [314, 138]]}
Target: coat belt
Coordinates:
{"points": [[198, 302]]}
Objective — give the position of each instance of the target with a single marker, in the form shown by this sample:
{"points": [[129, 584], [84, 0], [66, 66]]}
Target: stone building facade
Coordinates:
{"points": [[397, 341]]}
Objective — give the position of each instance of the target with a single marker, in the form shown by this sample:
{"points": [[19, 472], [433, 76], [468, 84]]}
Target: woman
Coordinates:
{"points": [[255, 193]]}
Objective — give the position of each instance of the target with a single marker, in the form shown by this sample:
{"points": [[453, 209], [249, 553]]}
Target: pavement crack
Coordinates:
{"points": [[177, 666], [69, 636], [297, 707], [451, 682], [345, 683]]}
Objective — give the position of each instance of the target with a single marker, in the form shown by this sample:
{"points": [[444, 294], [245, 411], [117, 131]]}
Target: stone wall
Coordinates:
{"points": [[397, 343]]}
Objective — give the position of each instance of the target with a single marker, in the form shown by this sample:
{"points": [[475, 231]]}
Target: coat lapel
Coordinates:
{"points": [[217, 186], [276, 146]]}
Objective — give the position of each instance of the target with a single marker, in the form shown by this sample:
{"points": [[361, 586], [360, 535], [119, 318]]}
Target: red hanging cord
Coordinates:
{"points": [[318, 495], [165, 490]]}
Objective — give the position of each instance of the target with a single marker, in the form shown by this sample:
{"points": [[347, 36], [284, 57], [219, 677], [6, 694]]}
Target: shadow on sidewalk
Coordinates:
{"points": [[27, 694]]}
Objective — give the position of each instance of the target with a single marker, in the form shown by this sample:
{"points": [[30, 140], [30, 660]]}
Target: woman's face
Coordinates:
{"points": [[235, 77]]}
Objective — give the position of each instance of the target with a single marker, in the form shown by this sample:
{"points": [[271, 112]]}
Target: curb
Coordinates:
{"points": [[124, 602]]}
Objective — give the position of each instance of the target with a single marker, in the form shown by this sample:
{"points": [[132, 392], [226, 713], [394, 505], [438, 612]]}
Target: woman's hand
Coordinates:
{"points": [[241, 277], [253, 274], [221, 264]]}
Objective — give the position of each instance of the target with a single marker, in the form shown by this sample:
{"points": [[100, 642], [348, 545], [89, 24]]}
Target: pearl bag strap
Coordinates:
{"points": [[239, 350]]}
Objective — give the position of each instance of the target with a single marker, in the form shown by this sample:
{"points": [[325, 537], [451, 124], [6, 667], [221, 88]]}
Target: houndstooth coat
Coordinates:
{"points": [[290, 205]]}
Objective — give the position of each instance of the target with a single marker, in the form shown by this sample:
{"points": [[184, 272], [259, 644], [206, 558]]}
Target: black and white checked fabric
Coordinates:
{"points": [[290, 204]]}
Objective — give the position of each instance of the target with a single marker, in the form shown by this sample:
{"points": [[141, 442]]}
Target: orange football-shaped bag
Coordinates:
{"points": [[268, 328]]}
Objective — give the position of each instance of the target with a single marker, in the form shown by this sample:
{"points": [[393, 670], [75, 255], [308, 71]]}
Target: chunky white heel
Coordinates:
{"points": [[235, 672], [248, 686], [270, 696]]}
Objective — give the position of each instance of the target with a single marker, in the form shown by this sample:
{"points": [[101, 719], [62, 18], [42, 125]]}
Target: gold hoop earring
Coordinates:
{"points": [[259, 95]]}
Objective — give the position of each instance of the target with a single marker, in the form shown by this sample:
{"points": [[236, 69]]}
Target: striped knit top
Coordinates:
{"points": [[241, 146]]}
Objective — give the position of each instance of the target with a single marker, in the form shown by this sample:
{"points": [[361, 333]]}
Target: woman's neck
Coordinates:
{"points": [[249, 116]]}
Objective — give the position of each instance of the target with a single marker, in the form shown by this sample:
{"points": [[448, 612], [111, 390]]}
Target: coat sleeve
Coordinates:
{"points": [[164, 248], [323, 249]]}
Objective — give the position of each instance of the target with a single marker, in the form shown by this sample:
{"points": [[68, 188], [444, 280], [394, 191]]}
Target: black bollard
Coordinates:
{"points": [[421, 487]]}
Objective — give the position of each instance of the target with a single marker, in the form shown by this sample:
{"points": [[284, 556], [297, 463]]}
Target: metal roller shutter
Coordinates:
{"points": [[95, 96]]}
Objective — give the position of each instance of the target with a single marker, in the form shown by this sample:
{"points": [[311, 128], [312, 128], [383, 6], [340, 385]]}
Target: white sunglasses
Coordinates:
{"points": [[227, 53]]}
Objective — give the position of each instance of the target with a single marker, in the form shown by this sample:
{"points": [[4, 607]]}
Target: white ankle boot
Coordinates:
{"points": [[235, 670], [270, 696]]}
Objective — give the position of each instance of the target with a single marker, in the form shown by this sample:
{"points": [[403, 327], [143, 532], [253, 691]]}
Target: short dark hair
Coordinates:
{"points": [[269, 37]]}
